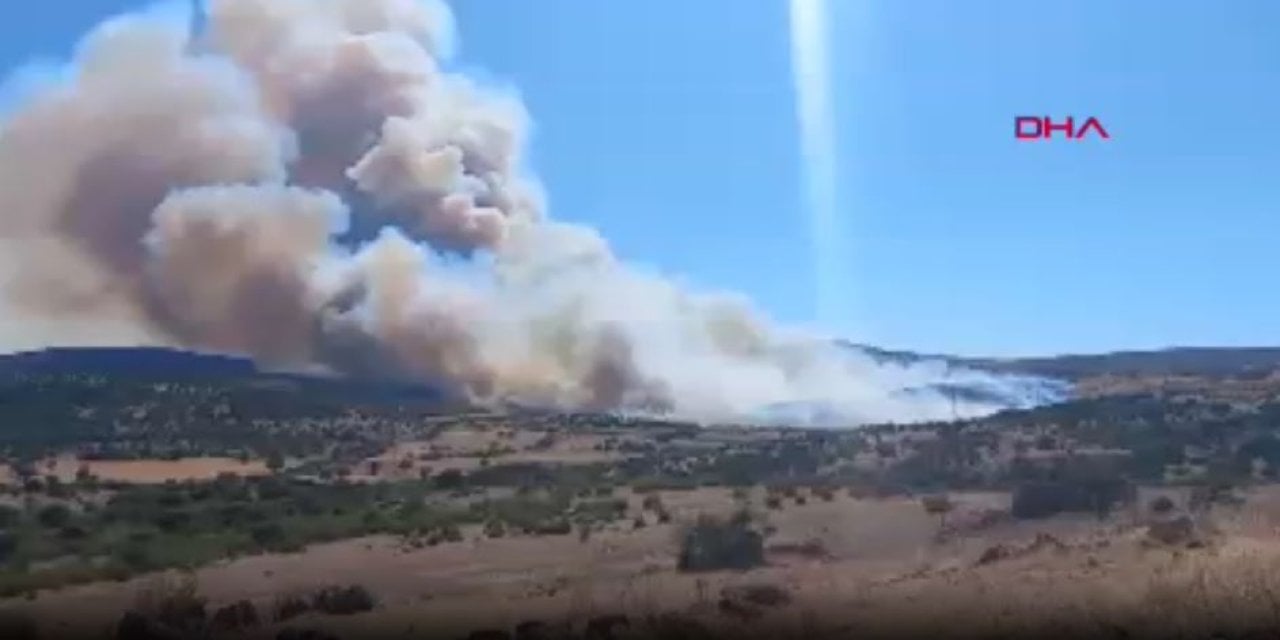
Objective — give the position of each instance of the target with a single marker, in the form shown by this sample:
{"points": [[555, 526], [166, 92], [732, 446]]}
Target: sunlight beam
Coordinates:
{"points": [[815, 113]]}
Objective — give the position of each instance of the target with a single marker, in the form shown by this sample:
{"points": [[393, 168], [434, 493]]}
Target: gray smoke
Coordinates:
{"points": [[285, 183]]}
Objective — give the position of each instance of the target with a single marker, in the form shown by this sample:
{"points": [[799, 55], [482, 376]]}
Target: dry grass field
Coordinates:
{"points": [[65, 469], [885, 569]]}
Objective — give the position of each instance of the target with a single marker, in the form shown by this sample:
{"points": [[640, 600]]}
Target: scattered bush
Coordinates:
{"points": [[172, 601], [557, 527], [652, 502], [1161, 504], [450, 480], [495, 529], [813, 549], [764, 595], [234, 617], [343, 600], [270, 536], [53, 516], [8, 545], [288, 606], [9, 516], [994, 553], [1173, 531], [450, 533]]}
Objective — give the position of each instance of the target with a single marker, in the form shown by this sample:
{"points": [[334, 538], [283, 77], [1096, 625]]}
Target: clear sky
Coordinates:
{"points": [[670, 126]]}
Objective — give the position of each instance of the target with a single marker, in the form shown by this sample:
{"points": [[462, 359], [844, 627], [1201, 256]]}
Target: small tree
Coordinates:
{"points": [[54, 516], [495, 529], [1161, 505], [275, 461], [938, 505], [174, 601], [8, 545]]}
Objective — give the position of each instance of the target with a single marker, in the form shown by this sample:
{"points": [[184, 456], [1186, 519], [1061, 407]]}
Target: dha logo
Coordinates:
{"points": [[1038, 128]]}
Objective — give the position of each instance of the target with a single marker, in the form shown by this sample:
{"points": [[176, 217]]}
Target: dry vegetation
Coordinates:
{"points": [[883, 569], [1116, 516]]}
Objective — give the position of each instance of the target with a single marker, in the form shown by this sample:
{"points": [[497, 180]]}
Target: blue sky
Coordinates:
{"points": [[669, 125]]}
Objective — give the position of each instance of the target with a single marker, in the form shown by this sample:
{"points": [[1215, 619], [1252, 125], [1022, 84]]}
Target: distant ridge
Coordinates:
{"points": [[131, 362], [1019, 381], [160, 364], [1217, 362]]}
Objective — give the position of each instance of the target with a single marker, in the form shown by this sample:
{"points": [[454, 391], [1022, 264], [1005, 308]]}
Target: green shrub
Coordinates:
{"points": [[652, 502], [495, 529], [8, 545], [54, 516], [270, 536], [712, 544]]}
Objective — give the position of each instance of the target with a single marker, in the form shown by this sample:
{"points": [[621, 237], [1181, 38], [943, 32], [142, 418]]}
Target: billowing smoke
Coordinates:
{"points": [[300, 181]]}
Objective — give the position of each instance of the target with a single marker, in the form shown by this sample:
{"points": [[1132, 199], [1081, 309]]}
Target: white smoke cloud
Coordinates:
{"points": [[297, 182]]}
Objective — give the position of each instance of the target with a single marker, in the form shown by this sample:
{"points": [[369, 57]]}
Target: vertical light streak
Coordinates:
{"points": [[815, 113]]}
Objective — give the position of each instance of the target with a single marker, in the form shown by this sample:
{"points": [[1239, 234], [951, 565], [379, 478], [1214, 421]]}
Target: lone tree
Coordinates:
{"points": [[1161, 505], [938, 505], [275, 461]]}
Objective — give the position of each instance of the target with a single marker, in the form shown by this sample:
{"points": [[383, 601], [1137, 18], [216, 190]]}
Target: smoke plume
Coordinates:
{"points": [[300, 181]]}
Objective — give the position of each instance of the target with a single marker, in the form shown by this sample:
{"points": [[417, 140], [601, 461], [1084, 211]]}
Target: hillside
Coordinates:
{"points": [[130, 362], [1029, 381], [157, 364]]}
